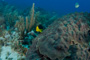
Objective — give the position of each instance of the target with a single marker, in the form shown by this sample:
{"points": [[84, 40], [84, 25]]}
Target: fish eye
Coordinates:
{"points": [[40, 26], [89, 32], [89, 49]]}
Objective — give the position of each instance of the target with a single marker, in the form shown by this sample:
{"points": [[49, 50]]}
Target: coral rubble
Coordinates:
{"points": [[9, 47]]}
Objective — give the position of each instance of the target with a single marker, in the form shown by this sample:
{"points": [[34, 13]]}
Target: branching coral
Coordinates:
{"points": [[32, 21], [25, 25], [20, 24], [28, 23], [9, 12]]}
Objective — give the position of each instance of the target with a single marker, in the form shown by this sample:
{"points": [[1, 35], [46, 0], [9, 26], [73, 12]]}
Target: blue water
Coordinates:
{"points": [[59, 6]]}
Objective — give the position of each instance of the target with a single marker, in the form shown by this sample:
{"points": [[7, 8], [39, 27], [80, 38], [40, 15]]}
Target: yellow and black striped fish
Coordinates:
{"points": [[39, 28]]}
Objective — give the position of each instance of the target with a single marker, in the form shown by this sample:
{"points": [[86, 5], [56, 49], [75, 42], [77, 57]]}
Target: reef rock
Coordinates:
{"points": [[66, 39]]}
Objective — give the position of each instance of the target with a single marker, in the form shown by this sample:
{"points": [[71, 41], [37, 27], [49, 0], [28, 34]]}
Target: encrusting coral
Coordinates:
{"points": [[66, 38]]}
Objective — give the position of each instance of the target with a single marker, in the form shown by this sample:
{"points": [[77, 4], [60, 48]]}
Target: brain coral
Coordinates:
{"points": [[65, 39]]}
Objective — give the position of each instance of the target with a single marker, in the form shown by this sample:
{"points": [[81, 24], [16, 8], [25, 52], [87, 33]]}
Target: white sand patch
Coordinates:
{"points": [[8, 53]]}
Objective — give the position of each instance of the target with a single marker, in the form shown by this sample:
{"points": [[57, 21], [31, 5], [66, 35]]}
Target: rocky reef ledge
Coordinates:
{"points": [[68, 38]]}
